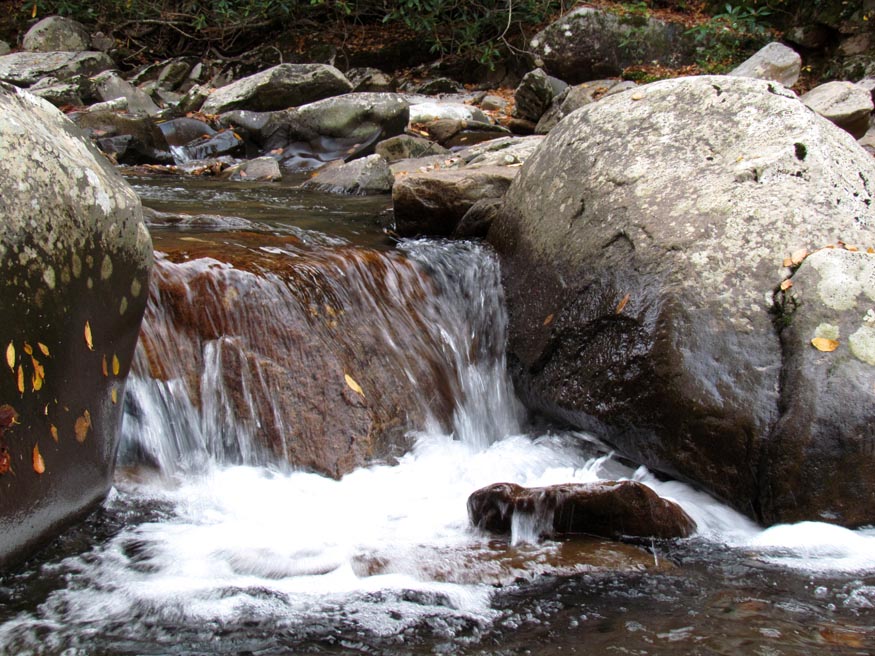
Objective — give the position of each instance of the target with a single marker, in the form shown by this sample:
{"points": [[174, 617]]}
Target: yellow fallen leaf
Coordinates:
{"points": [[54, 431], [80, 428], [39, 465], [103, 366], [788, 262], [20, 379], [116, 367], [786, 284], [88, 340], [354, 386], [824, 344], [45, 349], [114, 395], [10, 356], [28, 348], [622, 303]]}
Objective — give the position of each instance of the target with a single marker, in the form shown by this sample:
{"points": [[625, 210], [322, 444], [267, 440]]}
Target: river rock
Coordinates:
{"points": [[109, 85], [656, 223], [406, 146], [25, 68], [74, 91], [774, 61], [279, 87], [579, 96], [141, 140], [824, 433], [366, 175], [535, 93], [475, 223], [260, 169], [225, 142], [279, 348], [56, 33], [306, 137], [846, 104], [587, 44], [365, 79], [75, 259], [433, 202], [609, 509], [425, 112], [506, 151], [453, 133]]}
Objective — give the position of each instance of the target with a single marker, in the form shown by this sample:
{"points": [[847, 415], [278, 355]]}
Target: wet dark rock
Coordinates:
{"points": [[476, 221], [145, 145], [25, 68], [579, 96], [405, 146], [181, 131], [535, 93], [658, 242], [75, 259], [366, 175], [821, 452], [608, 509], [433, 203], [521, 126], [56, 33], [226, 142], [280, 87], [588, 44]]}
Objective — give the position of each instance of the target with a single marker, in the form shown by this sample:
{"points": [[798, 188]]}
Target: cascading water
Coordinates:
{"points": [[223, 537]]}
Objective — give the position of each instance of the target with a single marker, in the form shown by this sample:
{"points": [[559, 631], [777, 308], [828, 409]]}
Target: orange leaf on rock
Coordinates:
{"points": [[89, 341], [20, 379], [116, 366], [80, 428], [354, 386], [54, 431], [622, 303], [824, 344], [786, 284], [10, 356], [103, 366], [39, 465], [548, 320]]}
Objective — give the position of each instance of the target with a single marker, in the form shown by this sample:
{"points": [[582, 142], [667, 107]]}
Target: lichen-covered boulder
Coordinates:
{"points": [[534, 94], [656, 223], [822, 451], [279, 87], [587, 44], [74, 268], [775, 62], [25, 68], [610, 509], [56, 33]]}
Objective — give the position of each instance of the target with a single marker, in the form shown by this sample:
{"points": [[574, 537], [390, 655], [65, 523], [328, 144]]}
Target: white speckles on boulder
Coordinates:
{"points": [[56, 33], [58, 225], [25, 68], [843, 278], [682, 197], [775, 62]]}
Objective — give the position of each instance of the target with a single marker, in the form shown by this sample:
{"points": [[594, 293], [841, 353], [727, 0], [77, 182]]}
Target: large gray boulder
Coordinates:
{"points": [[587, 44], [56, 33], [334, 128], [774, 61], [279, 87], [25, 68], [846, 104], [656, 223], [74, 275]]}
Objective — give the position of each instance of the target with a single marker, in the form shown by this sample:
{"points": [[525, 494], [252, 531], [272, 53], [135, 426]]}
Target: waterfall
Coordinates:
{"points": [[234, 354]]}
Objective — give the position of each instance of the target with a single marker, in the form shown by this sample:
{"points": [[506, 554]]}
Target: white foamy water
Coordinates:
{"points": [[382, 549]]}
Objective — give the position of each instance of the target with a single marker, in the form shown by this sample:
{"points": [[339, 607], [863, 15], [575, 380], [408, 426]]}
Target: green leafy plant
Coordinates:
{"points": [[727, 36]]}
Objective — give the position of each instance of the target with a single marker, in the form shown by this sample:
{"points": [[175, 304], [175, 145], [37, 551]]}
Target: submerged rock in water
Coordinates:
{"points": [[657, 222], [74, 268], [607, 509], [367, 175]]}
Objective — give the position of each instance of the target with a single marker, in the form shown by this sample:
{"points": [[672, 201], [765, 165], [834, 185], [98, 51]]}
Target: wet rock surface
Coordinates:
{"points": [[652, 323], [75, 259], [607, 509]]}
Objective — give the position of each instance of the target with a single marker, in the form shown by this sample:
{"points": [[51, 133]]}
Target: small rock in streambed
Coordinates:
{"points": [[611, 509]]}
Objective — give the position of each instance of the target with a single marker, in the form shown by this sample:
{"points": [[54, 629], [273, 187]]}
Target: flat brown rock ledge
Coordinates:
{"points": [[611, 509]]}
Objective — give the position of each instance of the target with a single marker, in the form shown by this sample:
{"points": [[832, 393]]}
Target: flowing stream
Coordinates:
{"points": [[212, 543]]}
